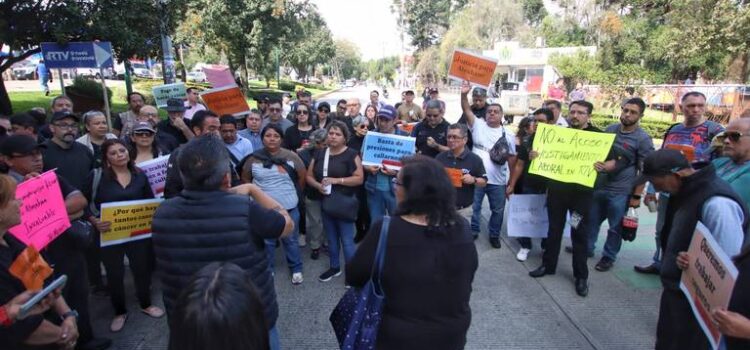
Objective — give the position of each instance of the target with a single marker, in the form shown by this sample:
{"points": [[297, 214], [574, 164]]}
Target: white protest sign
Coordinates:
{"points": [[156, 171], [527, 216], [709, 280], [162, 93]]}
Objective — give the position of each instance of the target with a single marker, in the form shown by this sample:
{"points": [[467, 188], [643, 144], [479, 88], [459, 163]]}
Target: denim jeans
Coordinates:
{"points": [[291, 246], [380, 202], [612, 207], [661, 213], [273, 339], [339, 232], [496, 196]]}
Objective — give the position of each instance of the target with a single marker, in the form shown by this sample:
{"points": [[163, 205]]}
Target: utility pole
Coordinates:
{"points": [[167, 63]]}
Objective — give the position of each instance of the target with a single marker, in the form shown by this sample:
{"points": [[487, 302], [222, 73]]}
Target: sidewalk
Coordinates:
{"points": [[510, 309]]}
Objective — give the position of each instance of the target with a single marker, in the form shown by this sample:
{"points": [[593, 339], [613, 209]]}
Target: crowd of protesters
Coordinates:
{"points": [[239, 188]]}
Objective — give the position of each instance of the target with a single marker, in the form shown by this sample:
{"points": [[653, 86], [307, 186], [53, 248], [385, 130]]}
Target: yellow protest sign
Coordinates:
{"points": [[568, 155], [130, 220]]}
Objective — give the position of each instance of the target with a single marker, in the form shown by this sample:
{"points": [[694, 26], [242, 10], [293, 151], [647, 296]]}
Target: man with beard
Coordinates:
{"points": [[122, 124], [73, 160]]}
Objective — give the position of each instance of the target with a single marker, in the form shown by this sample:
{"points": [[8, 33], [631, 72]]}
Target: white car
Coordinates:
{"points": [[140, 70], [24, 70], [198, 77]]}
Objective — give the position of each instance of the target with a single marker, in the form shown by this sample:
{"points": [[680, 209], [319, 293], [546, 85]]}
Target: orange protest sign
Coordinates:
{"points": [[687, 150], [30, 268], [476, 69], [226, 100], [456, 176], [407, 127]]}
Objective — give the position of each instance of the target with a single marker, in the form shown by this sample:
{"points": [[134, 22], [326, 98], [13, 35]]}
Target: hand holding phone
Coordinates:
{"points": [[39, 302]]}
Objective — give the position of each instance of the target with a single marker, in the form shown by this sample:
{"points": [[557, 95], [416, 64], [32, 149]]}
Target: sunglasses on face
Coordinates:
{"points": [[303, 112], [324, 110], [143, 134], [733, 136]]}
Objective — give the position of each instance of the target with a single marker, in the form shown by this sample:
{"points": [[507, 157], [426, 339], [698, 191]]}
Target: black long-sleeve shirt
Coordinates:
{"points": [[426, 281]]}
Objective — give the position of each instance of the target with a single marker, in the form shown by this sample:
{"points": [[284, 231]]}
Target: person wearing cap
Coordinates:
{"points": [[146, 145], [27, 159], [432, 132], [176, 125], [695, 196], [409, 111], [381, 199], [73, 160], [692, 137], [192, 104], [487, 133], [434, 95], [97, 132], [734, 166], [479, 107], [25, 124]]}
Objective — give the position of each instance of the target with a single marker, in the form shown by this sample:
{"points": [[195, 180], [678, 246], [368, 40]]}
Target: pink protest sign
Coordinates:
{"points": [[43, 214], [219, 76]]}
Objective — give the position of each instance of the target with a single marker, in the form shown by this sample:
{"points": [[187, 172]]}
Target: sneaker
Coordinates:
{"points": [[301, 241], [523, 254], [495, 242], [328, 275], [315, 254], [297, 278], [604, 264]]}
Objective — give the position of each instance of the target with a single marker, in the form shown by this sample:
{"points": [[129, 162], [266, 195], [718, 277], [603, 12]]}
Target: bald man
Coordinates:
{"points": [[734, 166], [150, 114]]}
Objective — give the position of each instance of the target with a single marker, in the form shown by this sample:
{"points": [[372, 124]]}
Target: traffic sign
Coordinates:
{"points": [[96, 54]]}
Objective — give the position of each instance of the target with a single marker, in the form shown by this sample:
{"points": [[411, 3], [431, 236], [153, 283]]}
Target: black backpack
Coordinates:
{"points": [[500, 152]]}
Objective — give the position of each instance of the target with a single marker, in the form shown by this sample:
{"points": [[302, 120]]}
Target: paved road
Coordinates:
{"points": [[510, 309]]}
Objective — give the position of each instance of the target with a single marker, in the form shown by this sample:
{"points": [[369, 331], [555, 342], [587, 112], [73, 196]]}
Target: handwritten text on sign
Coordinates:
{"points": [[568, 155], [43, 214], [379, 148], [477, 70], [131, 220], [156, 171], [527, 216], [226, 100], [162, 93], [708, 282]]}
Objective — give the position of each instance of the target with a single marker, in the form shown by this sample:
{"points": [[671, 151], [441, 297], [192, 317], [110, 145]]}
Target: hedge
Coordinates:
{"points": [[654, 128]]}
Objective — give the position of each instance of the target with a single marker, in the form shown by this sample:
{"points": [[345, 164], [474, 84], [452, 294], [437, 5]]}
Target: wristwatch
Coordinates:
{"points": [[70, 313]]}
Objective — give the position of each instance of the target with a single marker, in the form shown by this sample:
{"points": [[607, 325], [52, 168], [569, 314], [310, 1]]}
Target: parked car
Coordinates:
{"points": [[24, 70], [140, 70], [198, 77], [351, 82]]}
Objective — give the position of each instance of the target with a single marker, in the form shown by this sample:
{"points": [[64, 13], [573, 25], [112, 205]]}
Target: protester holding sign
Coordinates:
{"points": [[695, 195], [469, 166], [496, 146], [573, 198], [734, 322], [280, 173], [120, 180], [33, 329], [336, 173], [521, 182]]}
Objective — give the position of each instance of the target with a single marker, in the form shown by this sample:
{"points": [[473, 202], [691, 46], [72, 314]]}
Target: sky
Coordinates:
{"points": [[367, 23]]}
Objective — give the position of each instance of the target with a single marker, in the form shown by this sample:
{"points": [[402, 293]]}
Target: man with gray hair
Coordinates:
{"points": [[460, 159], [210, 222], [432, 131]]}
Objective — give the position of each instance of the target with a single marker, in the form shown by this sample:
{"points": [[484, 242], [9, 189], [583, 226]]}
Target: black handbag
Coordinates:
{"points": [[336, 204]]}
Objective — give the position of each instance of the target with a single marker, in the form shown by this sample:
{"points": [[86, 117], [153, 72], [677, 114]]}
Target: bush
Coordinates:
{"points": [[89, 87], [654, 128]]}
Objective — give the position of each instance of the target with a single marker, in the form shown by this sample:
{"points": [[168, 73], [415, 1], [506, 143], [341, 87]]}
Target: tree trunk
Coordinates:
{"points": [[5, 107]]}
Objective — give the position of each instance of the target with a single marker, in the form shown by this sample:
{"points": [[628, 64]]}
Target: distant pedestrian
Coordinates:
{"points": [[44, 76]]}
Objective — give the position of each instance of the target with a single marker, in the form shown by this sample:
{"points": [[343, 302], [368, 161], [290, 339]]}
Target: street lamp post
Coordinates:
{"points": [[167, 64]]}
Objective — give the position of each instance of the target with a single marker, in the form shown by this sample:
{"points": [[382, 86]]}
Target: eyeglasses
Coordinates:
{"points": [[143, 134], [66, 126], [303, 112], [275, 109], [733, 136], [324, 110]]}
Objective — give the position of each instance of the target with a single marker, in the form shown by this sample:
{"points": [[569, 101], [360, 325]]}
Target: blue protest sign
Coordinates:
{"points": [[78, 55], [386, 148]]}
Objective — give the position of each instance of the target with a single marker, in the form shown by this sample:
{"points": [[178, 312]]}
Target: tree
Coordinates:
{"points": [[309, 40], [425, 20], [347, 60], [533, 11]]}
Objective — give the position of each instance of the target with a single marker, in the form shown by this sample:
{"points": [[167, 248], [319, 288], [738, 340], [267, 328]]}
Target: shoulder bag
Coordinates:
{"points": [[336, 204], [356, 318]]}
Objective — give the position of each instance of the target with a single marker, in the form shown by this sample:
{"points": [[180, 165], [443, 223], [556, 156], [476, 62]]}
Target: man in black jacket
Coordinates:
{"points": [[206, 224]]}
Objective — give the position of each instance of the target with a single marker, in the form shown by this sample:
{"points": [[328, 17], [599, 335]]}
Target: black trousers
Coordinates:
{"points": [[138, 253], [560, 200], [677, 328], [94, 260], [362, 224], [70, 261]]}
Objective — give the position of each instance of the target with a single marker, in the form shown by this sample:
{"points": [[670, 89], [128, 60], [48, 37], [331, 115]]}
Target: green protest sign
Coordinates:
{"points": [[162, 93]]}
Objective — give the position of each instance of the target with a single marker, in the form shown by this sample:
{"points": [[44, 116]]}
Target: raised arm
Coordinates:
{"points": [[465, 106]]}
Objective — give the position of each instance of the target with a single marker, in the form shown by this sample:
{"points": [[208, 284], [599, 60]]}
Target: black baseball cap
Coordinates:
{"points": [[175, 105], [19, 144], [64, 114], [479, 92], [663, 162], [324, 105]]}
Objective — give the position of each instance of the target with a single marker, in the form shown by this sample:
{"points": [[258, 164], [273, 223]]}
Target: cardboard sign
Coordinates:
{"points": [[162, 93], [388, 149], [30, 268], [226, 100], [43, 213], [156, 171], [407, 127], [456, 176], [476, 69], [568, 155], [131, 220], [708, 282], [527, 216], [219, 77]]}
